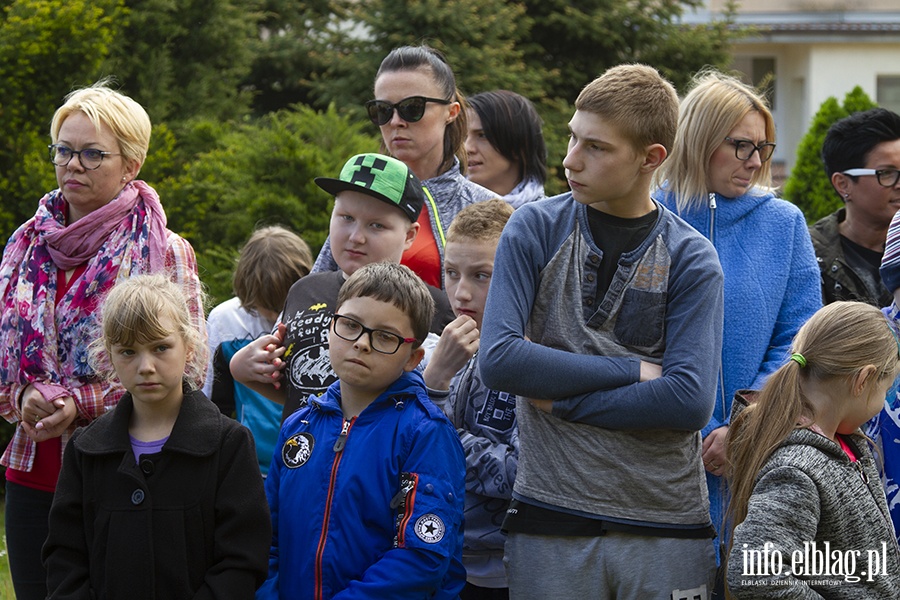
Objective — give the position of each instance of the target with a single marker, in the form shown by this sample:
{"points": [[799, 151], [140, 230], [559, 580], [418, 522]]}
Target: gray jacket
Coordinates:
{"points": [[825, 517]]}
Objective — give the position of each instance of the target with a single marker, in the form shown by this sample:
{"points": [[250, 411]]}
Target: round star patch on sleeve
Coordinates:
{"points": [[430, 528]]}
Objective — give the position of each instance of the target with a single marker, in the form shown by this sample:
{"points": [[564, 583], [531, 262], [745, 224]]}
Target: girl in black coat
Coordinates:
{"points": [[160, 498]]}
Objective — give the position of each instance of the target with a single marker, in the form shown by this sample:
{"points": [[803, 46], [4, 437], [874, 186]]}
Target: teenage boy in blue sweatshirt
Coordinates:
{"points": [[605, 310]]}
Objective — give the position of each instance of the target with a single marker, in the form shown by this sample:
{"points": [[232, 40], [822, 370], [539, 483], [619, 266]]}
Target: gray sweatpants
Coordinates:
{"points": [[615, 566]]}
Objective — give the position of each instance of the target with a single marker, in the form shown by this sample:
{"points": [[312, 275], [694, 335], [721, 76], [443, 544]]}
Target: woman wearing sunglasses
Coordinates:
{"points": [[422, 119], [862, 157], [718, 178], [505, 146]]}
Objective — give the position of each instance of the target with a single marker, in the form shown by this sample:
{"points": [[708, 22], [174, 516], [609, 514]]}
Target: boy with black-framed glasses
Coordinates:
{"points": [[366, 486]]}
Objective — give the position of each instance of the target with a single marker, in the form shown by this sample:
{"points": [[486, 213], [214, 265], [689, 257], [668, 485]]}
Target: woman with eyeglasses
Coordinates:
{"points": [[505, 146], [862, 158], [101, 225], [422, 118], [718, 178]]}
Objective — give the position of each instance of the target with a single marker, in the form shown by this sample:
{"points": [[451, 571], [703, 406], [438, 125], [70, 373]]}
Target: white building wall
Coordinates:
{"points": [[808, 73]]}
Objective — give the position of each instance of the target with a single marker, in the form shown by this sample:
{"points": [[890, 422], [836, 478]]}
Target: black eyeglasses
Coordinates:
{"points": [[380, 340], [886, 177], [410, 109], [744, 149], [90, 158]]}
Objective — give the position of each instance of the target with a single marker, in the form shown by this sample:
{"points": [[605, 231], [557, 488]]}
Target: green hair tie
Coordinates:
{"points": [[798, 358]]}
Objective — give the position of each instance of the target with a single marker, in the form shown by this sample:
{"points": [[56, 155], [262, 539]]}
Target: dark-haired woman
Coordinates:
{"points": [[422, 119], [505, 146]]}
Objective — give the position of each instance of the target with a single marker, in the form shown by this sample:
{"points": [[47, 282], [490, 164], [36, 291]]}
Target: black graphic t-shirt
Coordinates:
{"points": [[307, 316]]}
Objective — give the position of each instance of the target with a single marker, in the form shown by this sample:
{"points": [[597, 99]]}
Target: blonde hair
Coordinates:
{"points": [[480, 222], [836, 343], [396, 284], [639, 101], [133, 313], [128, 121], [714, 106], [271, 261]]}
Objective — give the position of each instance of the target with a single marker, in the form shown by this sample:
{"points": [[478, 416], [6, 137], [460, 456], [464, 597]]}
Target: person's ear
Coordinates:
{"points": [[841, 185], [454, 112], [654, 155], [132, 168], [411, 234], [862, 378], [414, 359]]}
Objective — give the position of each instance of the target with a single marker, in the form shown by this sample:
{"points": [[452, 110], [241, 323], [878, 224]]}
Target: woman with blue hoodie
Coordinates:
{"points": [[718, 178]]}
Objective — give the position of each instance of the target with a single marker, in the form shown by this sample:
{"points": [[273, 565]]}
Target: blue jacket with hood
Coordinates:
{"points": [[370, 507], [772, 286]]}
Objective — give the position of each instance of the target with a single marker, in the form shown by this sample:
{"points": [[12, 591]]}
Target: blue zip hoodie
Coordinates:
{"points": [[367, 508], [772, 286]]}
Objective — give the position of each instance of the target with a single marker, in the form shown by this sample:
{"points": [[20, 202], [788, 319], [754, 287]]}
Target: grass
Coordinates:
{"points": [[6, 588]]}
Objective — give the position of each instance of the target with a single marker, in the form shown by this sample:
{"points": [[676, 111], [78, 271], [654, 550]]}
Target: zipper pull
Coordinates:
{"points": [[712, 200], [342, 439], [862, 473]]}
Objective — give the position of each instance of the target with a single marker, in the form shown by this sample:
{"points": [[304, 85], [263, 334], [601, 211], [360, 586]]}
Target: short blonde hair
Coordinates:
{"points": [[480, 222], [714, 106], [127, 119], [271, 261], [637, 100], [132, 313]]}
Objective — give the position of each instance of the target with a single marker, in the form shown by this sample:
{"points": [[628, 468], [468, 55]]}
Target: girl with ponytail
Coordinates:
{"points": [[804, 480]]}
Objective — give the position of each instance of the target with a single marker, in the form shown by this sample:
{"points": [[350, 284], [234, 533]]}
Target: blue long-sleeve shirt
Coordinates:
{"points": [[614, 446]]}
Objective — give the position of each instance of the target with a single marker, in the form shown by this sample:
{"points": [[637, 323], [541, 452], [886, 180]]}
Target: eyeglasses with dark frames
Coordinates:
{"points": [[410, 109], [90, 158], [744, 149], [382, 341], [886, 177]]}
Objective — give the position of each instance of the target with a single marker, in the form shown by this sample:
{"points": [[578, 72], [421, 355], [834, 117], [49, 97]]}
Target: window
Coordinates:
{"points": [[888, 92]]}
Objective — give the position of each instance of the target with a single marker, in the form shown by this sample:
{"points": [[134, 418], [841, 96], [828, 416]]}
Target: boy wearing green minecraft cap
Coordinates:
{"points": [[377, 201]]}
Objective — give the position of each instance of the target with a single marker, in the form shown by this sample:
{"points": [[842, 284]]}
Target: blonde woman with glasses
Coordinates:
{"points": [[100, 225], [718, 178]]}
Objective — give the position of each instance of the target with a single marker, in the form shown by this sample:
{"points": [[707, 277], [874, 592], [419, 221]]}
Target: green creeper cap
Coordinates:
{"points": [[382, 177]]}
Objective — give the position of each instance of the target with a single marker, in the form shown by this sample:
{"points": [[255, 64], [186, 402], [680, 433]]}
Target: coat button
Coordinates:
{"points": [[147, 466], [429, 488], [137, 497], [834, 268]]}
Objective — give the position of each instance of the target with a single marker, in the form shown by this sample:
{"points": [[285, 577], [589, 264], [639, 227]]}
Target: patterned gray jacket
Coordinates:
{"points": [[817, 526]]}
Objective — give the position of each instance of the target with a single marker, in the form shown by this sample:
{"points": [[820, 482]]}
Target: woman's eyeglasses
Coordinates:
{"points": [[744, 149], [380, 340], [90, 158], [886, 177], [410, 109]]}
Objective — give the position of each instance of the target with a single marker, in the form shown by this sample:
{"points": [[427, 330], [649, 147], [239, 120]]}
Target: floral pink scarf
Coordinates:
{"points": [[45, 340]]}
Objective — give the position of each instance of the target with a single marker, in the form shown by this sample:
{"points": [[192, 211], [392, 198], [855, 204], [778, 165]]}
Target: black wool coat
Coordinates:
{"points": [[190, 521]]}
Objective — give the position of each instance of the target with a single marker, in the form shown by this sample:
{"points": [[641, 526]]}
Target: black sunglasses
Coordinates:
{"points": [[410, 109]]}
